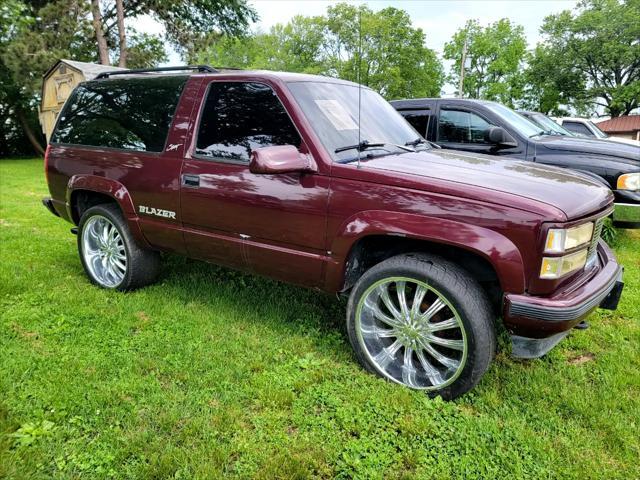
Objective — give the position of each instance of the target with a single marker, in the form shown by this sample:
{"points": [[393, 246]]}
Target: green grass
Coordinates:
{"points": [[213, 373]]}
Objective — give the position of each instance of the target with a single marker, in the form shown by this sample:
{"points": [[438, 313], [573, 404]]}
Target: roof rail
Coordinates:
{"points": [[199, 68]]}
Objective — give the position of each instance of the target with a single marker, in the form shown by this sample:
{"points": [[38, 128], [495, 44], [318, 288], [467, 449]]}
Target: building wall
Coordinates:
{"points": [[630, 135]]}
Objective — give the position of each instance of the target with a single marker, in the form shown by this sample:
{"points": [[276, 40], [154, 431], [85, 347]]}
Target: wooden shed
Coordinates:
{"points": [[57, 84]]}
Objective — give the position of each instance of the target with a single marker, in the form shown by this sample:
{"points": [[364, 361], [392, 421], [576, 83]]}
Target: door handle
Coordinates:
{"points": [[191, 180]]}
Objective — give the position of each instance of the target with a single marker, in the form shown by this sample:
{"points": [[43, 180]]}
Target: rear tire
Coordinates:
{"points": [[423, 322], [109, 254]]}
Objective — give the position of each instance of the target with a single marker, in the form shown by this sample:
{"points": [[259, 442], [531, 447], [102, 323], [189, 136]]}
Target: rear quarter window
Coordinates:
{"points": [[129, 114]]}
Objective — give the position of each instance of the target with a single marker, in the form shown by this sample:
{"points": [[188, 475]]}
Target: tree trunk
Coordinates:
{"points": [[103, 50], [33, 139], [122, 39]]}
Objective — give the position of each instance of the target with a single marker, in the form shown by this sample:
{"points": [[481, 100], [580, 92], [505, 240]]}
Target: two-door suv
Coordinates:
{"points": [[270, 173]]}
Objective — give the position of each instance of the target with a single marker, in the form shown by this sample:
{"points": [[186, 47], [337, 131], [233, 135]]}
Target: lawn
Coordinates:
{"points": [[211, 373]]}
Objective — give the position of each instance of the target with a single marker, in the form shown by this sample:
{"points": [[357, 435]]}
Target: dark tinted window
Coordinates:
{"points": [[577, 127], [240, 117], [457, 126], [132, 114], [419, 121]]}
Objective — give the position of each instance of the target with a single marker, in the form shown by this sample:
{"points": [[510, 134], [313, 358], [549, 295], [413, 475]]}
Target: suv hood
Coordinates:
{"points": [[573, 193], [622, 152]]}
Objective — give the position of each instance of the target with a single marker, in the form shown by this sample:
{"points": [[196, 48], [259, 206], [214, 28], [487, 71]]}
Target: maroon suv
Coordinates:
{"points": [[269, 173]]}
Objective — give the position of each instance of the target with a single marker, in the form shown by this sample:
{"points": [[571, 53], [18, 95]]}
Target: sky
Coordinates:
{"points": [[439, 19]]}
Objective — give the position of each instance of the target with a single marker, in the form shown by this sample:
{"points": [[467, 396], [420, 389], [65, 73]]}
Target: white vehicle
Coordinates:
{"points": [[584, 126]]}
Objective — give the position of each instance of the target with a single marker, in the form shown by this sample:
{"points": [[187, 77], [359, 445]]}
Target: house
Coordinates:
{"points": [[57, 84], [627, 126]]}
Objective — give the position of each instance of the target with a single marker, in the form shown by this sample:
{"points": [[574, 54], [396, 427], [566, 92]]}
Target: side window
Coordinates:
{"points": [[419, 121], [457, 126], [240, 117], [130, 114], [577, 127]]}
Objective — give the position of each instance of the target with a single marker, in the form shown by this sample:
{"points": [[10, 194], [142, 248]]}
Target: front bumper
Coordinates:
{"points": [[627, 209], [537, 324], [627, 214]]}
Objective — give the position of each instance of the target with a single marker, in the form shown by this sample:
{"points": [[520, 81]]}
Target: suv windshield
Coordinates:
{"points": [[523, 126], [548, 125], [332, 109]]}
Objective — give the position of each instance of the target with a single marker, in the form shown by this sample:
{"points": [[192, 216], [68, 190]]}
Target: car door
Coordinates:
{"points": [[462, 129], [271, 224]]}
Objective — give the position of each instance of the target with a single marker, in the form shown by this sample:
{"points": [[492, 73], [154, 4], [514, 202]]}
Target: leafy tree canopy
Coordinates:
{"points": [[590, 58], [393, 61], [34, 34], [495, 57]]}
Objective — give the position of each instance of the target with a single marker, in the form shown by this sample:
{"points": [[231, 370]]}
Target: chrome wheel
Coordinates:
{"points": [[104, 253], [411, 333]]}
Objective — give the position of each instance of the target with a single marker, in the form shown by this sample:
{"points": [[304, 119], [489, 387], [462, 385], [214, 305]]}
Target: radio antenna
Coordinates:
{"points": [[359, 80]]}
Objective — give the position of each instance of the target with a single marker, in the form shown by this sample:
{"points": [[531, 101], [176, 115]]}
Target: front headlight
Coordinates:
{"points": [[560, 240], [629, 181], [557, 267]]}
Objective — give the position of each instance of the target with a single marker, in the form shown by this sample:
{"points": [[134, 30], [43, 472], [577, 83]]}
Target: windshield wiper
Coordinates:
{"points": [[541, 132], [365, 144], [421, 141]]}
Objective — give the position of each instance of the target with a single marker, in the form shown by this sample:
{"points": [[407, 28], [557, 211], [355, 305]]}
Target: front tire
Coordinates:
{"points": [[110, 256], [423, 322]]}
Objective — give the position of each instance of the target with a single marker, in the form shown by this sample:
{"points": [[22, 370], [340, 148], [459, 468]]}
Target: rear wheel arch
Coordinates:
{"points": [[86, 191], [99, 188], [82, 200]]}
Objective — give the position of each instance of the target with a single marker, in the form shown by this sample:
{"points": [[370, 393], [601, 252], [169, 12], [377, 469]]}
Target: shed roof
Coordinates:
{"points": [[89, 70], [627, 123]]}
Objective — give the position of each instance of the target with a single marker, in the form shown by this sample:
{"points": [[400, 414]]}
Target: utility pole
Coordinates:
{"points": [[462, 65]]}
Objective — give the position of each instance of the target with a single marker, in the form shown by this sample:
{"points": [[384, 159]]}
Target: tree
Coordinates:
{"points": [[103, 50], [188, 24], [122, 37], [32, 38], [600, 44], [549, 90], [496, 55], [394, 60]]}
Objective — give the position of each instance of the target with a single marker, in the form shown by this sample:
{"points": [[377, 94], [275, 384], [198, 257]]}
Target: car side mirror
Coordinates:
{"points": [[499, 137], [280, 159]]}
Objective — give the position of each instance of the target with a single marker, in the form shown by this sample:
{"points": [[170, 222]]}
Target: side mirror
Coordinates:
{"points": [[281, 159], [498, 136]]}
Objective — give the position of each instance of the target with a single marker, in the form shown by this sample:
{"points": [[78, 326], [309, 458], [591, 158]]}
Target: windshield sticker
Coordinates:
{"points": [[337, 115]]}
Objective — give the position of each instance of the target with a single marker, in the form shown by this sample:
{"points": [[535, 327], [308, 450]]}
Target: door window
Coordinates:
{"points": [[577, 127], [419, 121], [457, 126], [240, 117]]}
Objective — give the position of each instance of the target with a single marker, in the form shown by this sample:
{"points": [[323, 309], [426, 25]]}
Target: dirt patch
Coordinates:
{"points": [[580, 359]]}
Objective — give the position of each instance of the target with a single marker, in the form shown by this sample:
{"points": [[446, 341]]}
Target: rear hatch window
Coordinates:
{"points": [[123, 113]]}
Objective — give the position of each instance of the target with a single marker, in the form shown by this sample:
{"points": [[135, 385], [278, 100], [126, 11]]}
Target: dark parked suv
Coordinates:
{"points": [[480, 126], [269, 173]]}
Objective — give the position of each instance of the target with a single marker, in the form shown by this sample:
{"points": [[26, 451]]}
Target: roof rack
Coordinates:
{"points": [[199, 68]]}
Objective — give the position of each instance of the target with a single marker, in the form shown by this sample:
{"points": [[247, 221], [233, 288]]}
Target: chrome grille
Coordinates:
{"points": [[597, 230]]}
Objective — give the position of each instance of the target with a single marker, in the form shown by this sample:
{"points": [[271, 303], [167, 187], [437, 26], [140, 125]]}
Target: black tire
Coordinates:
{"points": [[142, 265], [450, 283]]}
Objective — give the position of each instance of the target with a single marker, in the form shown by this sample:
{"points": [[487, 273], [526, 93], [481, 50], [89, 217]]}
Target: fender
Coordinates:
{"points": [[113, 189], [498, 250]]}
